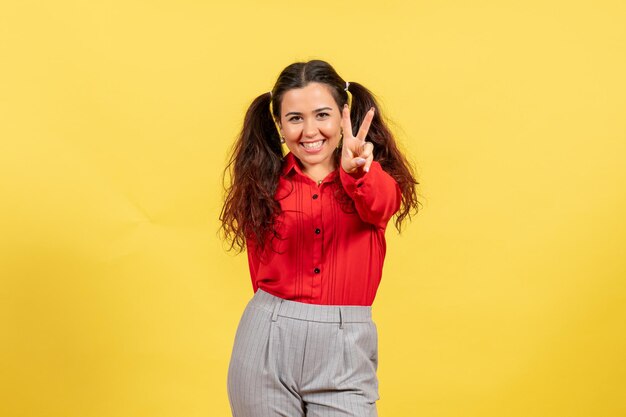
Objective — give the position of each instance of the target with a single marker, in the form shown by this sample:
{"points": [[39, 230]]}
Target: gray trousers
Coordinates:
{"points": [[293, 359]]}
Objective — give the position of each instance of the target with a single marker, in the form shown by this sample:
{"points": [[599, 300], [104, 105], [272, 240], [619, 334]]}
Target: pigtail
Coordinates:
{"points": [[249, 207]]}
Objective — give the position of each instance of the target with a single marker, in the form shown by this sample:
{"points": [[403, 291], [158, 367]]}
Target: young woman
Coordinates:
{"points": [[313, 219]]}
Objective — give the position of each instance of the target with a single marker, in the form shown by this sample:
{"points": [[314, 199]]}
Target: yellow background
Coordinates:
{"points": [[506, 296]]}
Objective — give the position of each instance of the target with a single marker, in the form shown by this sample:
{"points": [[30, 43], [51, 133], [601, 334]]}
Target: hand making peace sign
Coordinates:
{"points": [[356, 152]]}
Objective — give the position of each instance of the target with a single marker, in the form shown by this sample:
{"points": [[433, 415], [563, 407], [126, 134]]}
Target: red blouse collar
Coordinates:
{"points": [[289, 163]]}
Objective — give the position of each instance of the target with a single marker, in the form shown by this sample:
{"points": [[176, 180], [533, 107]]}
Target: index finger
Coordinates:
{"points": [[346, 124]]}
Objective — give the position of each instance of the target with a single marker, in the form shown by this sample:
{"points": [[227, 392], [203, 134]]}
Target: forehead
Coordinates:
{"points": [[313, 95]]}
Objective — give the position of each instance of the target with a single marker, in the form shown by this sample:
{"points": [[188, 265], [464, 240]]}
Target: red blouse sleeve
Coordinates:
{"points": [[377, 196]]}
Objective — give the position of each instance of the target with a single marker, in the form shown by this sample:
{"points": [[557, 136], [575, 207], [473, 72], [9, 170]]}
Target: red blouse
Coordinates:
{"points": [[332, 245]]}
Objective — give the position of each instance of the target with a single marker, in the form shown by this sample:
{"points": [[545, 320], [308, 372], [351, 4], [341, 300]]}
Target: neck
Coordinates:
{"points": [[318, 172]]}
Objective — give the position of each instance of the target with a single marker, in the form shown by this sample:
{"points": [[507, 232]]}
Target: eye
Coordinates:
{"points": [[323, 114], [291, 119]]}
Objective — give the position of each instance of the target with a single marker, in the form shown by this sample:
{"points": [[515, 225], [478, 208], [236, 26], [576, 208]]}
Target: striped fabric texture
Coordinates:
{"points": [[294, 359]]}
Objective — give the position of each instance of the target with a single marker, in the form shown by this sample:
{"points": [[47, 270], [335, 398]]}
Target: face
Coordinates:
{"points": [[311, 124]]}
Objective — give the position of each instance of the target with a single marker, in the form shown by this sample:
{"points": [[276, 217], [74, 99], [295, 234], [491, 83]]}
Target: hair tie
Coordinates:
{"points": [[349, 95]]}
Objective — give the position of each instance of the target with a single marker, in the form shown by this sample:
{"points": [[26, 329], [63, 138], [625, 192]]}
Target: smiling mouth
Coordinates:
{"points": [[311, 146]]}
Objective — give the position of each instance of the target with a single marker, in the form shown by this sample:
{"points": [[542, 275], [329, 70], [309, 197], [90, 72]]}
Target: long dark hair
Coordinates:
{"points": [[249, 209]]}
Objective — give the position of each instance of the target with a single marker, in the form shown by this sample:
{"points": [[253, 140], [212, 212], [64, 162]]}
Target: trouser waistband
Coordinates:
{"points": [[311, 312]]}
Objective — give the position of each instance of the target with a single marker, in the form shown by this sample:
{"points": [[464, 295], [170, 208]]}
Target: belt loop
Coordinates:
{"points": [[276, 309], [340, 318]]}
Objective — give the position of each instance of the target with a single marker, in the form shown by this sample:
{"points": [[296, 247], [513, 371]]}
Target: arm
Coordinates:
{"points": [[377, 196]]}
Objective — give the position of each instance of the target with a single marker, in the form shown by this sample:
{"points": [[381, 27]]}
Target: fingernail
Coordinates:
{"points": [[366, 169], [360, 161]]}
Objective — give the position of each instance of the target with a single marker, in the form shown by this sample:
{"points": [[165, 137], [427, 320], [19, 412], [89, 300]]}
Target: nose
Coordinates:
{"points": [[310, 128]]}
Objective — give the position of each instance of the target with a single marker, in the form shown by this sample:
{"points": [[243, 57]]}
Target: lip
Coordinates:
{"points": [[313, 151], [311, 141]]}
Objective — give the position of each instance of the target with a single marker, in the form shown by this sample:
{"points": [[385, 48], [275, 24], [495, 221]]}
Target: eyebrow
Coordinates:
{"points": [[314, 111]]}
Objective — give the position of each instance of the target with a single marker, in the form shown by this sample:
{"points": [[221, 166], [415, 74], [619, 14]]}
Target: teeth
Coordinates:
{"points": [[313, 145]]}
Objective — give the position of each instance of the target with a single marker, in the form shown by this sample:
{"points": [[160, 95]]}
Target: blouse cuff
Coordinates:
{"points": [[352, 182]]}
